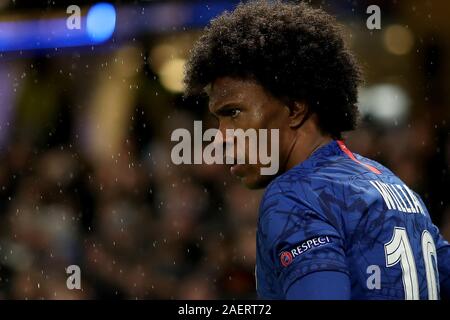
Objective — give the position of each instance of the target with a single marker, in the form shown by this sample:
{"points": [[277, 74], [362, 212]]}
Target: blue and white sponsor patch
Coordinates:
{"points": [[288, 256]]}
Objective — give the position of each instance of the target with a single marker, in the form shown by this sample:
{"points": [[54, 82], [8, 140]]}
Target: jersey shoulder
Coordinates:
{"points": [[306, 189], [330, 185]]}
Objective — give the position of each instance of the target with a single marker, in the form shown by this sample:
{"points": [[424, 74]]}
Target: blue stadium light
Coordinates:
{"points": [[101, 22], [97, 27]]}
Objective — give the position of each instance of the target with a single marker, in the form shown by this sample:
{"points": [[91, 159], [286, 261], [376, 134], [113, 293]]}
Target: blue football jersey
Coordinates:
{"points": [[338, 211]]}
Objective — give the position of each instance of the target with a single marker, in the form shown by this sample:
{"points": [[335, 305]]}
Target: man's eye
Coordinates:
{"points": [[234, 112], [229, 112]]}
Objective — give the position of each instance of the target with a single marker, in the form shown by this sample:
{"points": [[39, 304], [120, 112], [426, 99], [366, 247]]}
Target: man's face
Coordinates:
{"points": [[244, 104]]}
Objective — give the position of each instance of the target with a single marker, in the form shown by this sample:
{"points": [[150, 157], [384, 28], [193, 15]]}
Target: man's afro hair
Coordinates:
{"points": [[294, 51]]}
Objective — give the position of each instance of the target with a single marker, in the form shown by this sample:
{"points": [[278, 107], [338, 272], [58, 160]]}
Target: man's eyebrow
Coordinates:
{"points": [[224, 107]]}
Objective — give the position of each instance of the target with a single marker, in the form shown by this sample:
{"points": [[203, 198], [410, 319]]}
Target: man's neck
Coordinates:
{"points": [[304, 146]]}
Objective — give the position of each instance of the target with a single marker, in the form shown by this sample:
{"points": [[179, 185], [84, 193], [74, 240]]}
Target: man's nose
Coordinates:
{"points": [[221, 138]]}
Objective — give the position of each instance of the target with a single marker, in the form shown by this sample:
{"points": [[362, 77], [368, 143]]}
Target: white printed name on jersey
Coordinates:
{"points": [[398, 197]]}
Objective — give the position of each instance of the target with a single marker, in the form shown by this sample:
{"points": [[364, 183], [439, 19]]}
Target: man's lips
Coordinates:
{"points": [[235, 167], [236, 170]]}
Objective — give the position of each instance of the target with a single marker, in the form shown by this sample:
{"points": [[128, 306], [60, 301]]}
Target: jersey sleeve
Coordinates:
{"points": [[299, 240], [323, 285]]}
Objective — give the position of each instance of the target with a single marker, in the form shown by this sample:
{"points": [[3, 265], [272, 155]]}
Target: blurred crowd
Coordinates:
{"points": [[136, 225]]}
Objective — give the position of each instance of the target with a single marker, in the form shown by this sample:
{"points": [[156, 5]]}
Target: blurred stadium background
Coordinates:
{"points": [[85, 123]]}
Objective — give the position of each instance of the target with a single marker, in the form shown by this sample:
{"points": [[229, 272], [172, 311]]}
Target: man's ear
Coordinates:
{"points": [[298, 113]]}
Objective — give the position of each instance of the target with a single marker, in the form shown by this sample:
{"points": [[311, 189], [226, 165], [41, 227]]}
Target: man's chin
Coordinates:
{"points": [[258, 182], [250, 176]]}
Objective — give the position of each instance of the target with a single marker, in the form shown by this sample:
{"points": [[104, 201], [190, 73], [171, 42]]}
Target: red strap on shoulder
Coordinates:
{"points": [[351, 156]]}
